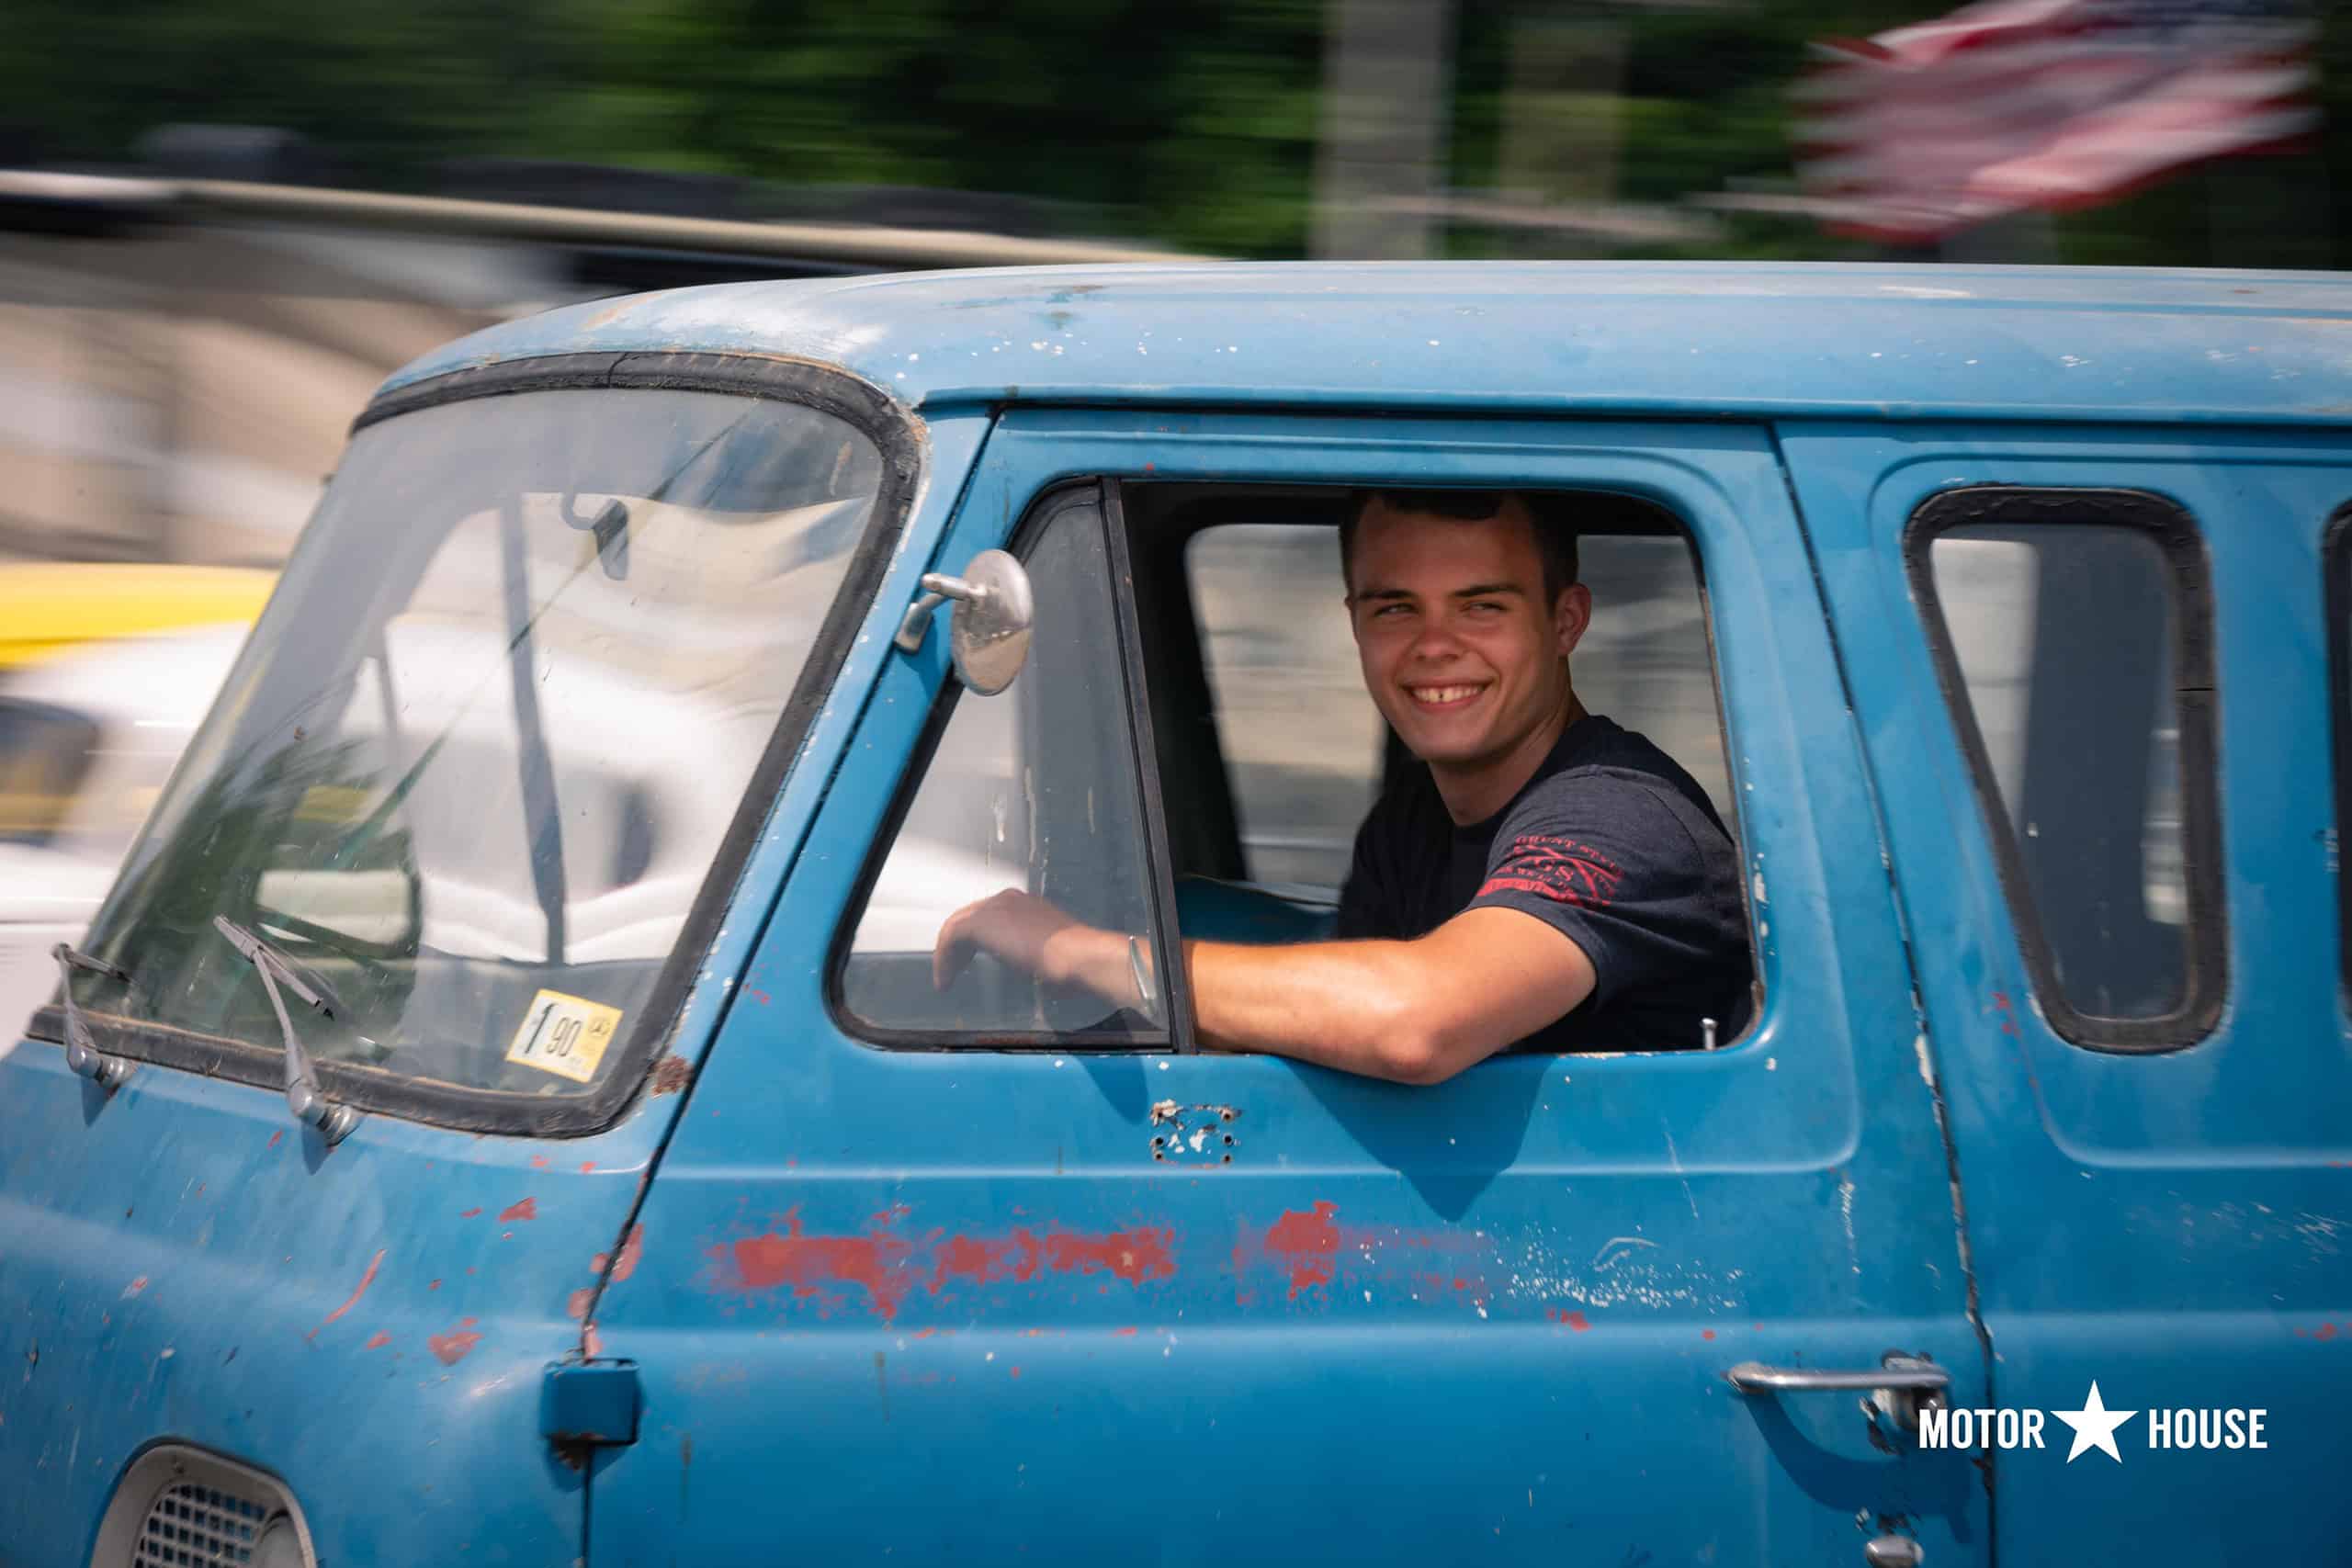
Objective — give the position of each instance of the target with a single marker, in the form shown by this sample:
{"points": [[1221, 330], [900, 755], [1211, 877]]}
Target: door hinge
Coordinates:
{"points": [[589, 1405]]}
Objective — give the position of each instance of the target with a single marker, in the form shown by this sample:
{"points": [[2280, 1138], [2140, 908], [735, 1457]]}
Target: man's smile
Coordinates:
{"points": [[1454, 695]]}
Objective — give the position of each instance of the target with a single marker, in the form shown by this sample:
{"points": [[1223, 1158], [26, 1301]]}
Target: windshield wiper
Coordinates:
{"points": [[304, 1097], [81, 1052]]}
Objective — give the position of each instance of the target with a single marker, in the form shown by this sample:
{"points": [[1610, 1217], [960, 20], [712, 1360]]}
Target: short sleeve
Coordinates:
{"points": [[1615, 862]]}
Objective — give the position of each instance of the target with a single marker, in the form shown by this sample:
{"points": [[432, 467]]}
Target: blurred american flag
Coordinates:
{"points": [[2009, 105]]}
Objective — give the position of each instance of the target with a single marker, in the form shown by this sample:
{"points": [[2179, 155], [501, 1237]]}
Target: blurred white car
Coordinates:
{"points": [[87, 738]]}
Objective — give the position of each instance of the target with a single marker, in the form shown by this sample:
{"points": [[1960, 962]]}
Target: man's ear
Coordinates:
{"points": [[1571, 612]]}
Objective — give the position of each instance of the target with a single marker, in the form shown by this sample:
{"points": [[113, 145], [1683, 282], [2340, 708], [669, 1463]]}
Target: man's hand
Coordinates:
{"points": [[1027, 932]]}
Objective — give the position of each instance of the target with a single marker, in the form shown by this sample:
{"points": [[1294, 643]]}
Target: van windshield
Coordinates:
{"points": [[483, 746]]}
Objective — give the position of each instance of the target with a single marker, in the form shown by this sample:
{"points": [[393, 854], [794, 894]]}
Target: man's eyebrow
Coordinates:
{"points": [[1485, 590], [1383, 594]]}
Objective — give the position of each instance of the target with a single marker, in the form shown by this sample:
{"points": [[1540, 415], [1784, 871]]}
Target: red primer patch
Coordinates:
{"points": [[632, 1249], [377, 1340], [592, 1341], [470, 1213], [876, 1263], [528, 1209], [135, 1286], [273, 1138], [1016, 1371], [1124, 1332], [576, 1307], [1706, 1334], [969, 1258], [433, 1286], [1133, 1256], [587, 1167], [539, 1162], [366, 1280], [1573, 1320], [1308, 1244], [2324, 1331], [455, 1346]]}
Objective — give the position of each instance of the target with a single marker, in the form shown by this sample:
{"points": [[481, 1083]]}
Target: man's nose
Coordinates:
{"points": [[1435, 642]]}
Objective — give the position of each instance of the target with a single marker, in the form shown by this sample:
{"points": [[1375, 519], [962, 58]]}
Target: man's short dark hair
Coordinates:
{"points": [[1551, 511]]}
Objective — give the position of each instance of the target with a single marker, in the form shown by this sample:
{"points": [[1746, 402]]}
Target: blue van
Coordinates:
{"points": [[504, 1112]]}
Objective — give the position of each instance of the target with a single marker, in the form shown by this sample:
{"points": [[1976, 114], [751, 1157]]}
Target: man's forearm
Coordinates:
{"points": [[1356, 1006], [1413, 1012], [1350, 1005]]}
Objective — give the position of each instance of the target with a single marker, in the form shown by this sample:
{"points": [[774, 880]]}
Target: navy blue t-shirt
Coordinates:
{"points": [[1612, 843]]}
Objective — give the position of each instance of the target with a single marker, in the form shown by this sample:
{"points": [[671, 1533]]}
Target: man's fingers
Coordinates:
{"points": [[951, 952]]}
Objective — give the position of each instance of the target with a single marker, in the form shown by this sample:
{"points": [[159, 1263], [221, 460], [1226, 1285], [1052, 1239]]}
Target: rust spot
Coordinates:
{"points": [[670, 1074], [1125, 1333], [366, 1280], [1572, 1320], [632, 1248], [539, 1162], [470, 1213], [135, 1286], [1016, 1372], [455, 1346], [377, 1340], [587, 1167], [528, 1209], [1706, 1334], [886, 1266], [878, 1264], [1133, 1256], [757, 995], [273, 1138], [433, 1286], [2324, 1331], [576, 1307], [1306, 1242]]}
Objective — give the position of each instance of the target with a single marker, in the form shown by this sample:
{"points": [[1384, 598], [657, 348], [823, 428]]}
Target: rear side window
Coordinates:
{"points": [[2071, 632]]}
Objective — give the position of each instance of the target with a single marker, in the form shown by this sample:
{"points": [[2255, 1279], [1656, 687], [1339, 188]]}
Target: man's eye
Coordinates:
{"points": [[1487, 607], [1387, 610]]}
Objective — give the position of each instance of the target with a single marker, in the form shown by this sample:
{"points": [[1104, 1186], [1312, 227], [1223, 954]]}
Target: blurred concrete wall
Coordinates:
{"points": [[180, 395]]}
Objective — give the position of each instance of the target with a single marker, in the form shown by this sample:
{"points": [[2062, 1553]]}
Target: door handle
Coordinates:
{"points": [[1900, 1386]]}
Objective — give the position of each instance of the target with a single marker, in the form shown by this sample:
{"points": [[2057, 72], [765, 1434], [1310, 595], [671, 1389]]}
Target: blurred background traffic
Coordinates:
{"points": [[223, 222]]}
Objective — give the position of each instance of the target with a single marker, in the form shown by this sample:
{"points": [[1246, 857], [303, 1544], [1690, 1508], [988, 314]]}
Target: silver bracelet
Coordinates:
{"points": [[1146, 998]]}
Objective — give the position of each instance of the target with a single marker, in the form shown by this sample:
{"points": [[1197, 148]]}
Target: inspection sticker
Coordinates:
{"points": [[564, 1035]]}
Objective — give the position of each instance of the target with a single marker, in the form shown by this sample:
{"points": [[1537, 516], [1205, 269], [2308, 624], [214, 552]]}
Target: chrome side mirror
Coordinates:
{"points": [[988, 632]]}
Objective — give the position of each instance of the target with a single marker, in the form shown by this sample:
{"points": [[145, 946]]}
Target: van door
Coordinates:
{"points": [[986, 1275], [487, 777], [2093, 667]]}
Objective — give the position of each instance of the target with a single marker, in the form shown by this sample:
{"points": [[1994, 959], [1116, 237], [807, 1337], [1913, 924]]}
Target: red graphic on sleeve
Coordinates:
{"points": [[1559, 869]]}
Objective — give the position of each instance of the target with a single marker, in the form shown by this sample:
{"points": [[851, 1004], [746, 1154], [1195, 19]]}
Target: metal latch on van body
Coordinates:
{"points": [[589, 1405]]}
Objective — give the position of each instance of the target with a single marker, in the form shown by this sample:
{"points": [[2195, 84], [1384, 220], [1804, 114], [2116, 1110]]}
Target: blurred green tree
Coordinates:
{"points": [[1192, 125]]}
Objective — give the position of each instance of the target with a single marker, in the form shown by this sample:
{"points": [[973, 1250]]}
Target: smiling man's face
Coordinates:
{"points": [[1460, 652]]}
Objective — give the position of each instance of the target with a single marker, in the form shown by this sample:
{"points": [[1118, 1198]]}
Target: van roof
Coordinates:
{"points": [[1879, 340]]}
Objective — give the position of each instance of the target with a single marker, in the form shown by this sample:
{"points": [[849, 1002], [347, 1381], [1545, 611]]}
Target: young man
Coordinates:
{"points": [[1551, 883]]}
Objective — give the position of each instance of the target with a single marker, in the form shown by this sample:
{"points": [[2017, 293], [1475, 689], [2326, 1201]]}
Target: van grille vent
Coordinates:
{"points": [[198, 1527]]}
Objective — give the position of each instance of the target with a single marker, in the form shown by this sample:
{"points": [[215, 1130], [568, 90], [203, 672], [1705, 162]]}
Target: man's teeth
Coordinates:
{"points": [[1436, 694]]}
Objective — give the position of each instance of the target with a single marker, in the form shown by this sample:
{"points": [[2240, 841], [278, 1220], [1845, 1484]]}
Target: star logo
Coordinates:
{"points": [[2094, 1427]]}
